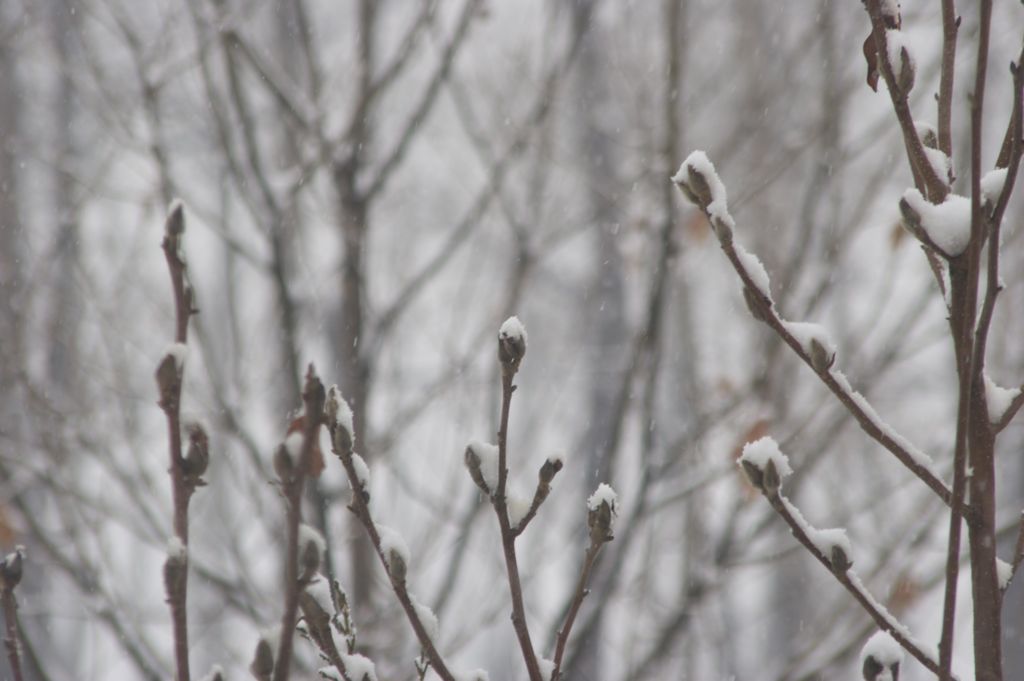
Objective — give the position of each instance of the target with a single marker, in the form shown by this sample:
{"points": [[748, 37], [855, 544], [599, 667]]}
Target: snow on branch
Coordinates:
{"points": [[390, 547], [944, 227], [999, 399], [765, 466], [700, 183]]}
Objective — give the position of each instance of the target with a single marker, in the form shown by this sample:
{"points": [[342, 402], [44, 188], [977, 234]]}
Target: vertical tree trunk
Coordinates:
{"points": [[64, 316], [607, 337]]}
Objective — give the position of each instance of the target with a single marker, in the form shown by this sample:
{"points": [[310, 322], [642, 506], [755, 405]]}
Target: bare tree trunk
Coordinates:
{"points": [[351, 343], [605, 312], [65, 312], [11, 234]]}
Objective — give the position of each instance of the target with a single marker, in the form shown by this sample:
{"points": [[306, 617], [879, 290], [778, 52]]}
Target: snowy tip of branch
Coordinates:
{"points": [[765, 464], [604, 494], [513, 329], [699, 182], [512, 340], [879, 655], [551, 467], [602, 506], [947, 225]]}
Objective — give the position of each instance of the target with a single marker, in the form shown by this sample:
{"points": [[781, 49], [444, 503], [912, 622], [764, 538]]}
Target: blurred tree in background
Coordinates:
{"points": [[374, 186]]}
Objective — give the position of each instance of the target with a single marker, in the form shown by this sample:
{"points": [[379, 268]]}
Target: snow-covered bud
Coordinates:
{"points": [[840, 562], [175, 570], [754, 474], [771, 480], [395, 552], [284, 466], [197, 458], [511, 345], [698, 186], [911, 220], [549, 469], [311, 551], [881, 658], [821, 358], [472, 460], [765, 465], [339, 419], [262, 665], [11, 569], [753, 304], [482, 462], [602, 511], [396, 565]]}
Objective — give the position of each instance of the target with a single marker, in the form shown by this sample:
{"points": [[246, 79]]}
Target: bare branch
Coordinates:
{"points": [[701, 186], [341, 445], [930, 184], [838, 563], [426, 103], [511, 349], [313, 397], [185, 471]]}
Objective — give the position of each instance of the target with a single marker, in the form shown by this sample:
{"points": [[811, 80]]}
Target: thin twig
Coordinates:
{"points": [[508, 538], [869, 422], [934, 187], [950, 27], [426, 102], [342, 448], [882, 617], [313, 401], [170, 375], [574, 608]]}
